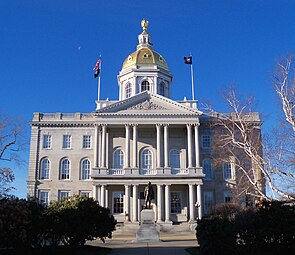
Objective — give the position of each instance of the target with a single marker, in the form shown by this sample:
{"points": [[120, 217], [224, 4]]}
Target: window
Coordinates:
{"points": [[227, 196], [118, 202], [174, 159], [43, 198], [208, 202], [45, 167], [175, 202], [146, 159], [85, 169], [118, 159], [47, 141], [128, 90], [63, 194], [206, 141], [66, 141], [85, 193], [207, 168], [86, 141], [162, 89], [65, 169], [228, 171], [145, 85]]}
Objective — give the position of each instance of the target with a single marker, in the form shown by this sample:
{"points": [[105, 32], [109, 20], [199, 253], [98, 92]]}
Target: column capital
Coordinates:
{"points": [[189, 125], [103, 125], [159, 124], [134, 124], [166, 124], [197, 124], [128, 125]]}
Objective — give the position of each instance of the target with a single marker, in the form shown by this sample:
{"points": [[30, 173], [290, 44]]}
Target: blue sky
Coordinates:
{"points": [[49, 47]]}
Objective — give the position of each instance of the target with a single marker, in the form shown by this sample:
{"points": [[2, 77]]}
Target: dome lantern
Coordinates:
{"points": [[144, 69]]}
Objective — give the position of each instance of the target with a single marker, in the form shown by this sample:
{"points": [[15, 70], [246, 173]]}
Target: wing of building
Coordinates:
{"points": [[112, 153]]}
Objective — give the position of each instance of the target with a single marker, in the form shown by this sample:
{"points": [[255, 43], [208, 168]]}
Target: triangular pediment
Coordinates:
{"points": [[148, 103]]}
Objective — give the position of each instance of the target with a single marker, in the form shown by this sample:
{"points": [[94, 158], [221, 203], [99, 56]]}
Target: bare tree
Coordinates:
{"points": [[11, 142], [271, 161]]}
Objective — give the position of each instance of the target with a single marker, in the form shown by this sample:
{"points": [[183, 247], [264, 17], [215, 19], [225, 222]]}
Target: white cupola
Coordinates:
{"points": [[144, 69]]}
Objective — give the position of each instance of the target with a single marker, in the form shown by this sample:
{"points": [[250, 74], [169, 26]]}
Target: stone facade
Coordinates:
{"points": [[112, 153]]}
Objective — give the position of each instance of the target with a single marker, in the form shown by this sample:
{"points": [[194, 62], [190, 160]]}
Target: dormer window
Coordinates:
{"points": [[145, 85], [145, 55]]}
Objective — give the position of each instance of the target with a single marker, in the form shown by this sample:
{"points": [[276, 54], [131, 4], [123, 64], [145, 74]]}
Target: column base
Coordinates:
{"points": [[167, 223]]}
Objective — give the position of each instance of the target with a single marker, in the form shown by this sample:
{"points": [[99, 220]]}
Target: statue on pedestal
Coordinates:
{"points": [[149, 195]]}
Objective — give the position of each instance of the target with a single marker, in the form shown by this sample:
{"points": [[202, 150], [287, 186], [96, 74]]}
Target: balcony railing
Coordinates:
{"points": [[114, 172]]}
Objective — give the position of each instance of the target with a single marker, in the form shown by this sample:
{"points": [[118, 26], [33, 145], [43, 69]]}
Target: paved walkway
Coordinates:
{"points": [[123, 243]]}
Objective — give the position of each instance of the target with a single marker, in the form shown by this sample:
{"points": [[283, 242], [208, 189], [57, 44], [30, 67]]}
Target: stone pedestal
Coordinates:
{"points": [[147, 231]]}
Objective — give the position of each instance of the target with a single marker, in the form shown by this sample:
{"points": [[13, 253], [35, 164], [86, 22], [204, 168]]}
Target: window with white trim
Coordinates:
{"points": [[146, 159], [67, 142], [206, 141], [228, 171], [86, 141], [227, 196], [63, 194], [145, 85], [65, 169], [118, 202], [208, 202], [118, 159], [175, 202], [44, 198], [85, 169], [47, 141], [174, 159], [84, 193], [162, 89], [207, 168], [45, 168], [128, 90]]}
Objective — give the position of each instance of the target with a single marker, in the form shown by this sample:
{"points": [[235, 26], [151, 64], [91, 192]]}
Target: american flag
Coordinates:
{"points": [[97, 65]]}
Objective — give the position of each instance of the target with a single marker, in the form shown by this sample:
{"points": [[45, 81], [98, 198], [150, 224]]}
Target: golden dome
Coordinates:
{"points": [[145, 56]]}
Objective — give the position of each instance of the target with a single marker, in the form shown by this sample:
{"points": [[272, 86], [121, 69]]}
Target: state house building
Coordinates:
{"points": [[112, 153]]}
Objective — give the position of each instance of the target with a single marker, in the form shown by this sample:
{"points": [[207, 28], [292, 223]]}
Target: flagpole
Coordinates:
{"points": [[98, 81], [192, 77]]}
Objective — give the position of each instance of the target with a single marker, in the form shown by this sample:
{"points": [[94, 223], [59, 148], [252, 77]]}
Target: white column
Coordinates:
{"points": [[166, 146], [103, 146], [197, 147], [102, 195], [200, 202], [159, 202], [135, 146], [94, 192], [127, 146], [159, 145], [106, 199], [191, 202], [96, 142], [127, 202], [189, 145], [135, 203], [167, 203]]}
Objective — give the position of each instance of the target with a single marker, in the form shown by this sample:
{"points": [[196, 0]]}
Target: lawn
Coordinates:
{"points": [[193, 250], [61, 250]]}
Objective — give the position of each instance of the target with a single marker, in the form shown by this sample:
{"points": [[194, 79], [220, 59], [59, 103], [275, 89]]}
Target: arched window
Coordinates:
{"points": [[128, 90], [118, 159], [65, 169], [85, 169], [145, 85], [207, 168], [146, 159], [174, 159], [162, 89], [45, 168]]}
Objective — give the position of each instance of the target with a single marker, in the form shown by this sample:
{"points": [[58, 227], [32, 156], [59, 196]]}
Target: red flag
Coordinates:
{"points": [[97, 68]]}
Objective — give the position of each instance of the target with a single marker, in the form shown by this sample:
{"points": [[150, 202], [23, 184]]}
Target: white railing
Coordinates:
{"points": [[148, 171], [116, 172], [179, 171]]}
